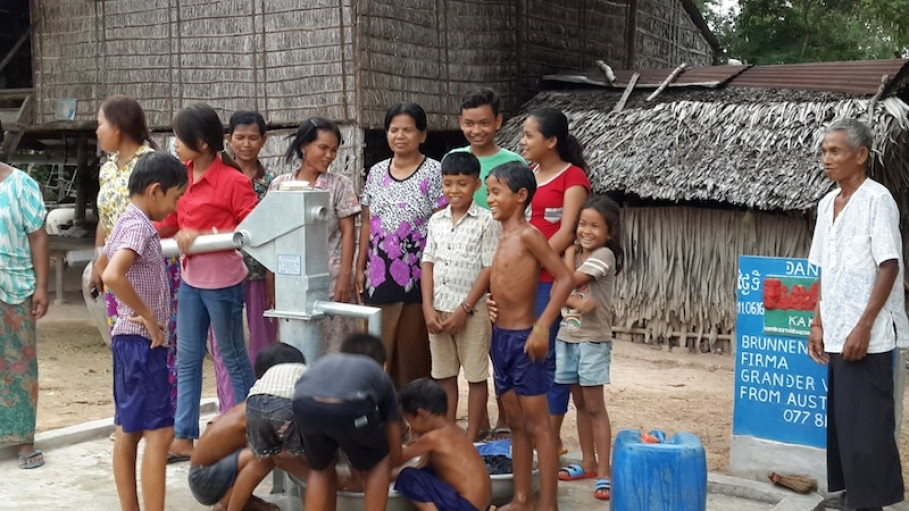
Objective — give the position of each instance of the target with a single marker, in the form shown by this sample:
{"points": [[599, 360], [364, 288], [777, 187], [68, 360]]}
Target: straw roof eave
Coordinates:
{"points": [[731, 149]]}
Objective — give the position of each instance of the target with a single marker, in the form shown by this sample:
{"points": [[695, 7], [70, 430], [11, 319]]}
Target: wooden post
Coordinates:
{"points": [[625, 95], [877, 95], [669, 79]]}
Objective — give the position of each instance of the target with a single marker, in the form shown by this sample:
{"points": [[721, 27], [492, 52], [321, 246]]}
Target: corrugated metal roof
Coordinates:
{"points": [[862, 77], [691, 75], [855, 77]]}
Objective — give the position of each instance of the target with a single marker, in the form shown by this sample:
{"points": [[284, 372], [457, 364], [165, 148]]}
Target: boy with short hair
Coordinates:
{"points": [[453, 476], [480, 119], [271, 430], [520, 340], [132, 266], [461, 240], [347, 401]]}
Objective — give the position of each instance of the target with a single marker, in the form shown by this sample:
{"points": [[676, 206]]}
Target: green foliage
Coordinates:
{"points": [[787, 31]]}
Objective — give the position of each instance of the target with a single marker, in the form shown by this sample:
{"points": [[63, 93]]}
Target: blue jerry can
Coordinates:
{"points": [[669, 476]]}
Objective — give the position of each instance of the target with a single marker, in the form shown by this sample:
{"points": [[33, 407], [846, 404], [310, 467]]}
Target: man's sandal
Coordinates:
{"points": [[602, 489]]}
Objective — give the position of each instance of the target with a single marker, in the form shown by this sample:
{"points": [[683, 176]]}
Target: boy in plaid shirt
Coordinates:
{"points": [[132, 267]]}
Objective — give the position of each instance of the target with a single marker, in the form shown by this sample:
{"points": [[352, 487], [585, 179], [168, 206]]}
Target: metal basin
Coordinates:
{"points": [[352, 501]]}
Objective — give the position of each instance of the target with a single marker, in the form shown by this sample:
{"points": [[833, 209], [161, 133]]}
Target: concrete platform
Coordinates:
{"points": [[78, 475]]}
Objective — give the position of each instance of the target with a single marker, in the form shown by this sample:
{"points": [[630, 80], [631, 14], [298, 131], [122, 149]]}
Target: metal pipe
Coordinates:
{"points": [[372, 315], [203, 243]]}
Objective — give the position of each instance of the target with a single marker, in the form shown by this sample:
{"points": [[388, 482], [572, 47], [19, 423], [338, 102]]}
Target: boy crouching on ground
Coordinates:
{"points": [[270, 427], [520, 340], [223, 470], [347, 401], [453, 476], [132, 267], [461, 240]]}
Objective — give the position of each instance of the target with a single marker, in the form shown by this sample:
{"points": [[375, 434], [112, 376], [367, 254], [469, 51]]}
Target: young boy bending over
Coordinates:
{"points": [[132, 267], [347, 401], [453, 476], [520, 341]]}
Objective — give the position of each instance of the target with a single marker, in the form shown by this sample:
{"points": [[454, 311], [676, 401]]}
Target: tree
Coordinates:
{"points": [[786, 31]]}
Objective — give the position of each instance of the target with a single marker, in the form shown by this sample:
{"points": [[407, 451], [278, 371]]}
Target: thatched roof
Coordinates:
{"points": [[755, 148]]}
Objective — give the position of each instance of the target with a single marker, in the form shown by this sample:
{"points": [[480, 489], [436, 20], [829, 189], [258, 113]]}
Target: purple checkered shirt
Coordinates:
{"points": [[134, 231]]}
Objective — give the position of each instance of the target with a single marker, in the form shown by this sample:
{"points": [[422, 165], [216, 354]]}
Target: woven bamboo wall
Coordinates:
{"points": [[431, 52], [568, 36], [666, 37], [65, 49]]}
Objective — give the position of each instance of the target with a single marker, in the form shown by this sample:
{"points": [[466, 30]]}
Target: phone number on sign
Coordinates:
{"points": [[807, 418]]}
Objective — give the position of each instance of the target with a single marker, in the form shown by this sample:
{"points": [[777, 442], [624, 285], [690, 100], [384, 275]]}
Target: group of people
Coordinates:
{"points": [[486, 254]]}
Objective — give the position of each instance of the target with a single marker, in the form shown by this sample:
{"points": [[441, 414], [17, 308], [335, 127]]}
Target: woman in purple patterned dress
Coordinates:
{"points": [[401, 194]]}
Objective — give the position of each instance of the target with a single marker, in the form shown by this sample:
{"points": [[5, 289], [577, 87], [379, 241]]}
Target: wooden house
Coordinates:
{"points": [[723, 163], [347, 60]]}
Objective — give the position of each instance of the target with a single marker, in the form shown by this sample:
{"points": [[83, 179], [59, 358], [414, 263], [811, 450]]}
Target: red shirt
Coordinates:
{"points": [[545, 211], [219, 200]]}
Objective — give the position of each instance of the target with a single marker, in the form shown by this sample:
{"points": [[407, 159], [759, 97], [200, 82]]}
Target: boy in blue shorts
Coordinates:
{"points": [[520, 340], [132, 267], [480, 119], [461, 240]]}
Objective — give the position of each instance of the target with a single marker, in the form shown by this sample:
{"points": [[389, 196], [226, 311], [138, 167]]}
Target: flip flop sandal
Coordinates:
{"points": [[603, 489], [574, 472], [499, 434], [176, 458], [30, 461]]}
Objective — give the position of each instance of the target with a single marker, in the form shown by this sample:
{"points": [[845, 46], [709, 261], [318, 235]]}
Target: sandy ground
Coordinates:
{"points": [[651, 388]]}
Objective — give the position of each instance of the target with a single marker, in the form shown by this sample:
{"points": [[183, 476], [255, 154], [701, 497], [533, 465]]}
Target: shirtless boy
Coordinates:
{"points": [[520, 340], [453, 477]]}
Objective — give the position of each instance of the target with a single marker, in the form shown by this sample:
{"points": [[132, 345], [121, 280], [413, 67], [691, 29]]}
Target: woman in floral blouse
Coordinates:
{"points": [[316, 145], [401, 194]]}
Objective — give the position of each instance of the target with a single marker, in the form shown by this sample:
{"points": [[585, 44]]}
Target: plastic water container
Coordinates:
{"points": [[669, 476]]}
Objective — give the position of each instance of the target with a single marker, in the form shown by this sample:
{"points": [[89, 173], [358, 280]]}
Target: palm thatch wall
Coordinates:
{"points": [[432, 52], [680, 275], [273, 56], [666, 36], [731, 149], [342, 59]]}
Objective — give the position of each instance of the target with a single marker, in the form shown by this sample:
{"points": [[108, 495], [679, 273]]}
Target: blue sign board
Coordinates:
{"points": [[780, 393]]}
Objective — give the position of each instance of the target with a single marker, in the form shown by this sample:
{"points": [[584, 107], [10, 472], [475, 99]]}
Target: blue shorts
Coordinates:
{"points": [[142, 399], [583, 363], [512, 368], [422, 485]]}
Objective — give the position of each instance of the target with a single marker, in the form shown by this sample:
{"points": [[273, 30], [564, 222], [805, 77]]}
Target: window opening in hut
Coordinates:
{"points": [[15, 45]]}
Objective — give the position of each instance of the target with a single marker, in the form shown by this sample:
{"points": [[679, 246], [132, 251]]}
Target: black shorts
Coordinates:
{"points": [[862, 456], [270, 426], [353, 426], [210, 484]]}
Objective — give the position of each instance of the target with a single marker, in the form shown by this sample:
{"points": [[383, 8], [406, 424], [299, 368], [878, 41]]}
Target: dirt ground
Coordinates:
{"points": [[651, 388]]}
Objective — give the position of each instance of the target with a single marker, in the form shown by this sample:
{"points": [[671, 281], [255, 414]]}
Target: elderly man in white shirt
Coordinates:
{"points": [[859, 322]]}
